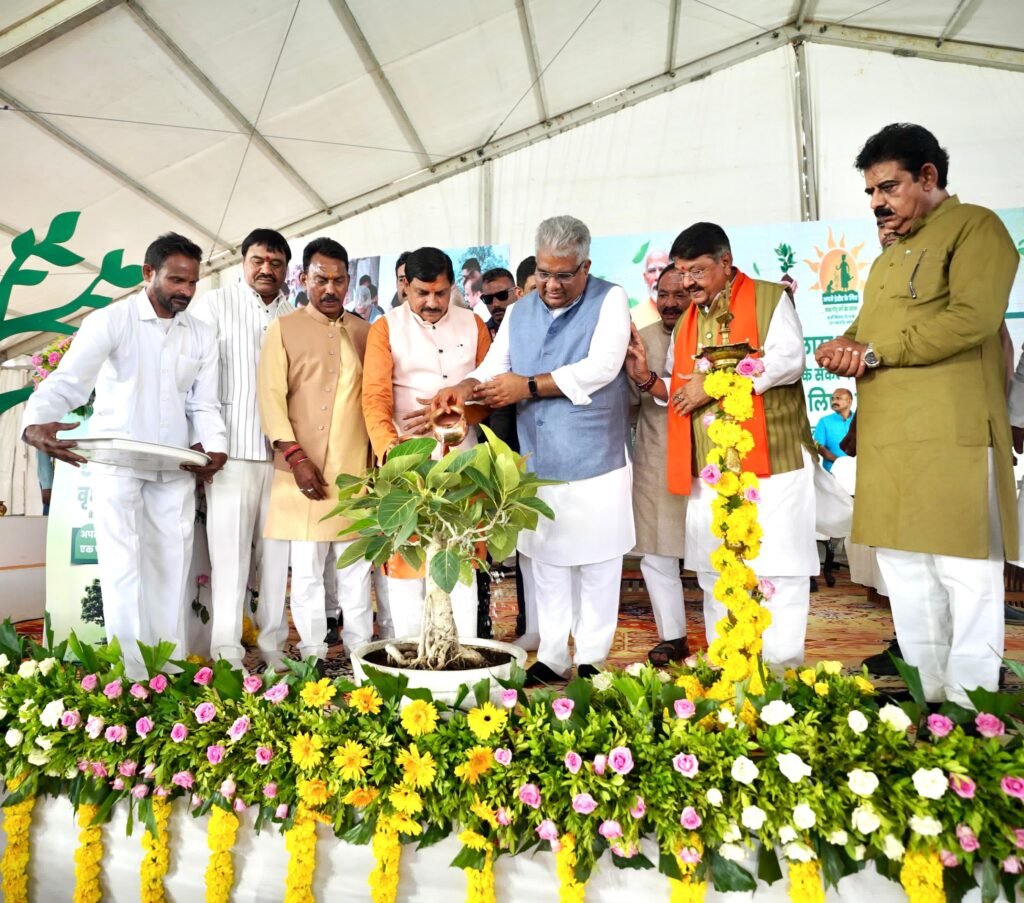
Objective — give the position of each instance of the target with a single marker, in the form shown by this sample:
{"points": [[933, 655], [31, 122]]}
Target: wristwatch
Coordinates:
{"points": [[532, 384], [870, 358]]}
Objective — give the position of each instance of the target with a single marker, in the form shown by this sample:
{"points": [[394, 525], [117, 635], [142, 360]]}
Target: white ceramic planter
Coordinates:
{"points": [[444, 685]]}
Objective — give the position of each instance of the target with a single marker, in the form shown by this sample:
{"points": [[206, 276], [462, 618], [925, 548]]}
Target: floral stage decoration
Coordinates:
{"points": [[691, 772], [46, 361]]}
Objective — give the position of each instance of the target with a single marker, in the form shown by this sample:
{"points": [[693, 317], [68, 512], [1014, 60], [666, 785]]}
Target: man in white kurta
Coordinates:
{"points": [[237, 501], [154, 370]]}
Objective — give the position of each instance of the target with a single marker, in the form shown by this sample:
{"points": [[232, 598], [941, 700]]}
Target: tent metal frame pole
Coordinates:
{"points": [[47, 25], [206, 85], [803, 12], [532, 59], [672, 37], [965, 9], [805, 137], [487, 202]]}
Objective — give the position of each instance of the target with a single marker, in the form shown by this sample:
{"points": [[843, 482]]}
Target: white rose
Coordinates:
{"points": [[859, 852], [663, 677], [744, 771], [28, 669], [50, 716], [777, 711], [925, 825], [14, 737], [732, 833], [4, 662], [25, 711], [635, 669], [892, 848], [726, 717], [46, 665], [3, 713], [931, 783], [787, 834], [732, 851], [799, 852], [38, 758], [714, 797], [71, 773], [804, 817], [838, 838], [793, 767], [602, 681], [44, 743], [894, 717], [861, 782], [857, 721], [753, 818], [865, 820]]}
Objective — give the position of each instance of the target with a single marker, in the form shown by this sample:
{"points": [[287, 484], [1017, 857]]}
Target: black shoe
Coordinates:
{"points": [[880, 664], [538, 673], [1013, 615], [323, 668], [332, 637], [587, 671]]}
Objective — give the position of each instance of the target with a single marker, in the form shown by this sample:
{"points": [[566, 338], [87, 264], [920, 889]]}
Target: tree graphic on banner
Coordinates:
{"points": [[52, 250]]}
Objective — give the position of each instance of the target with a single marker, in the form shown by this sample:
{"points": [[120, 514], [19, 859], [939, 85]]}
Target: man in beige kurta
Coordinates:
{"points": [[934, 472], [310, 400], [659, 515]]}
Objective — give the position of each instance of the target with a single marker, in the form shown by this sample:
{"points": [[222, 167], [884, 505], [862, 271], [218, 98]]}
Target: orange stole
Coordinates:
{"points": [[680, 435]]}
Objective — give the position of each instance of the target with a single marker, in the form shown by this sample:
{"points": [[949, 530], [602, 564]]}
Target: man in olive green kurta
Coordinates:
{"points": [[935, 488]]}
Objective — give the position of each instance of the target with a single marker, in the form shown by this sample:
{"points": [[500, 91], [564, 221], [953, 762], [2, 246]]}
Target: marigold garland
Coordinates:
{"points": [[88, 856], [480, 882], [156, 859], [690, 889], [14, 865], [220, 870], [921, 877], [387, 851], [805, 882], [300, 841], [569, 889]]}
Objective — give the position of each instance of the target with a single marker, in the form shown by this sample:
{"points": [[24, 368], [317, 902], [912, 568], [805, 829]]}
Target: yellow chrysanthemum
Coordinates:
{"points": [[474, 841], [365, 700], [305, 750], [313, 792], [821, 688], [360, 797], [316, 695], [478, 762], [405, 799], [419, 717], [484, 813], [351, 760], [405, 824], [419, 769], [486, 720]]}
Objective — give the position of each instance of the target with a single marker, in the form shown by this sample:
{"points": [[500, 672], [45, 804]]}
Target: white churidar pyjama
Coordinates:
{"points": [[665, 587]]}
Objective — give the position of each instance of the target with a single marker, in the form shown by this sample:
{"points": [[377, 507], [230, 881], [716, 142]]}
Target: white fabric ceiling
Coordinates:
{"points": [[214, 118]]}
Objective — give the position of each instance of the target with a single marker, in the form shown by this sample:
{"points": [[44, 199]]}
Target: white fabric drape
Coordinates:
{"points": [[19, 487]]}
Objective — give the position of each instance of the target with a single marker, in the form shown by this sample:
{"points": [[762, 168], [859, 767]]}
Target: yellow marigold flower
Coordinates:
{"points": [[305, 749], [478, 762], [864, 685], [693, 687], [318, 694], [486, 720], [484, 813], [360, 797], [729, 484], [351, 760], [419, 717], [808, 676], [405, 799], [821, 688], [365, 700], [313, 792], [474, 841], [419, 769]]}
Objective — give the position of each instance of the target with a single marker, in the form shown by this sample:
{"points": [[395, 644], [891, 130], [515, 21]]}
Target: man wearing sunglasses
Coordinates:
{"points": [[499, 293]]}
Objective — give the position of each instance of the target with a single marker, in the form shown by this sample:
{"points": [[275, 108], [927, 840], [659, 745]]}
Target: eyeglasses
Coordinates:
{"points": [[543, 276], [695, 273], [496, 296]]}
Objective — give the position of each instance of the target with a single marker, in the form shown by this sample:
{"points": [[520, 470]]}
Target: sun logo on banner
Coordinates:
{"points": [[838, 269]]}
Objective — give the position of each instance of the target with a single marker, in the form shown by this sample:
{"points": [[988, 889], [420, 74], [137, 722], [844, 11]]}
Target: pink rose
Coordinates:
{"points": [[263, 755], [600, 761], [562, 707], [750, 367], [948, 859], [139, 691], [546, 830], [143, 726], [710, 474], [1012, 865], [573, 761], [583, 803], [684, 708], [205, 712], [94, 726], [1013, 786], [83, 765], [690, 819], [962, 786], [70, 719], [708, 419], [238, 729], [689, 855], [239, 805], [118, 784], [99, 770], [270, 790], [621, 760], [766, 588], [639, 808], [702, 365], [147, 771], [509, 698], [37, 359], [228, 788], [750, 494], [252, 684], [113, 689], [503, 756], [127, 768], [215, 754], [158, 683], [610, 829], [989, 725], [116, 733], [202, 580], [203, 676], [54, 358], [179, 732], [277, 693], [502, 817], [967, 838], [529, 795], [140, 791], [1018, 838], [624, 852], [939, 725], [161, 792], [686, 765], [281, 811], [183, 779]]}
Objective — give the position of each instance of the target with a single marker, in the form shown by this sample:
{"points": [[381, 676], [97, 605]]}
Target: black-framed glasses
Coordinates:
{"points": [[544, 276], [489, 298]]}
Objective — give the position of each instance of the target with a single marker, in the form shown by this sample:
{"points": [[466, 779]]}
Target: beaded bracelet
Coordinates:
{"points": [[648, 383]]}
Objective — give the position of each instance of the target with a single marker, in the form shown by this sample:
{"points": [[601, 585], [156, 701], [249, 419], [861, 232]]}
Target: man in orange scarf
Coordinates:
{"points": [[783, 455]]}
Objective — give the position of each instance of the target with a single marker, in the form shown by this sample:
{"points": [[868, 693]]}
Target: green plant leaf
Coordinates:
{"points": [[398, 464], [639, 256], [433, 833], [415, 447], [768, 869], [912, 678], [355, 552], [639, 861], [62, 227], [730, 876], [468, 858], [989, 881], [395, 508], [84, 653], [390, 686], [957, 882], [414, 556], [669, 865], [360, 833], [444, 569], [536, 504], [579, 690], [507, 474]]}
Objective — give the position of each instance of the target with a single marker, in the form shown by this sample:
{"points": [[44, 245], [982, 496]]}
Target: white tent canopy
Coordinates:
{"points": [[393, 123]]}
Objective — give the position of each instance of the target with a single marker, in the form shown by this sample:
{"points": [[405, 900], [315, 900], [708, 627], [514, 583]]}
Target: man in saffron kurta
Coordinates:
{"points": [[783, 455], [310, 402], [411, 353]]}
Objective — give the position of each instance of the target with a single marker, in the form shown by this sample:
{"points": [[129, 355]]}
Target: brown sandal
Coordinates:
{"points": [[668, 651]]}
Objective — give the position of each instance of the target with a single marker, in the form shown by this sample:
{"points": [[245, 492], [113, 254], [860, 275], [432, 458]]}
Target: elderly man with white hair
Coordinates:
{"points": [[558, 357]]}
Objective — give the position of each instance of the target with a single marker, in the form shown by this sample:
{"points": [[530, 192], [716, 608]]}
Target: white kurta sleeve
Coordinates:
{"points": [[1017, 395], [202, 308], [606, 355], [71, 384], [783, 353], [499, 358], [202, 404]]}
